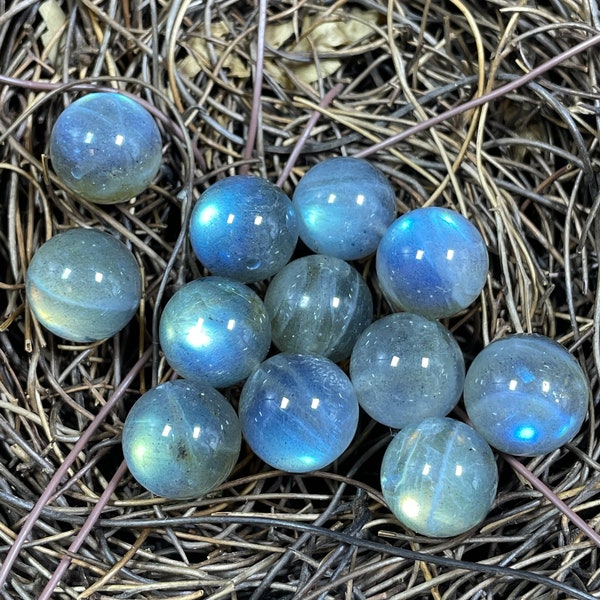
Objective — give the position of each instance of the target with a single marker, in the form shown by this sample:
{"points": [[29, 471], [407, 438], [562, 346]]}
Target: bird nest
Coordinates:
{"points": [[490, 108]]}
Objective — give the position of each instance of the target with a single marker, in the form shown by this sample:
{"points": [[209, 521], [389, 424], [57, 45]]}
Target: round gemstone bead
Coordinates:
{"points": [[244, 227], [215, 330], [298, 412], [432, 261], [181, 439], [106, 148], [526, 394], [83, 285], [318, 304], [439, 477], [344, 207], [406, 368]]}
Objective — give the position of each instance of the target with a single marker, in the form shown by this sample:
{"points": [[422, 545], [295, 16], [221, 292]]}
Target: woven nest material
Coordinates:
{"points": [[399, 83]]}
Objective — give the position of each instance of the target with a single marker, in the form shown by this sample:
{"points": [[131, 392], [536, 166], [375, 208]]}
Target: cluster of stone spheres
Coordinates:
{"points": [[298, 410]]}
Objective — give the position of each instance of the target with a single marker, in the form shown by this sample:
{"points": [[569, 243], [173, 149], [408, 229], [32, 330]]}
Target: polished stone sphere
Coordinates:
{"points": [[318, 304], [433, 262], [244, 227], [181, 439], [406, 368], [439, 477], [526, 395], [84, 285], [344, 207], [215, 330], [298, 412], [106, 148]]}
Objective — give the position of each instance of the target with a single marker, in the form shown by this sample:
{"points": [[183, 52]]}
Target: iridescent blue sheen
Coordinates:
{"points": [[106, 148], [215, 330], [433, 262], [181, 439], [318, 304], [439, 477], [526, 394], [83, 285], [406, 368], [244, 227], [298, 412], [344, 207]]}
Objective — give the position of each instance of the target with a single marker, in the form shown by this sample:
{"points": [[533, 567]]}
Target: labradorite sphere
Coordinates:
{"points": [[181, 439], [106, 148], [344, 206], [215, 330], [298, 412], [84, 285], [433, 262], [244, 227], [439, 477], [526, 395], [318, 304], [406, 368]]}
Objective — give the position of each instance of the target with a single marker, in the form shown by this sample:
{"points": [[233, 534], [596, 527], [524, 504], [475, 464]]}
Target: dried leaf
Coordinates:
{"points": [[310, 73], [344, 31], [276, 35], [198, 57], [323, 37], [55, 20]]}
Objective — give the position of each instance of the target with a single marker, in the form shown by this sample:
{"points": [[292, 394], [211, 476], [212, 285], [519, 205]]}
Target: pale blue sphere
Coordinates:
{"points": [[106, 148], [526, 395], [433, 262], [318, 304], [406, 368], [215, 330], [439, 477], [298, 412], [83, 285], [344, 206], [181, 439], [244, 227]]}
